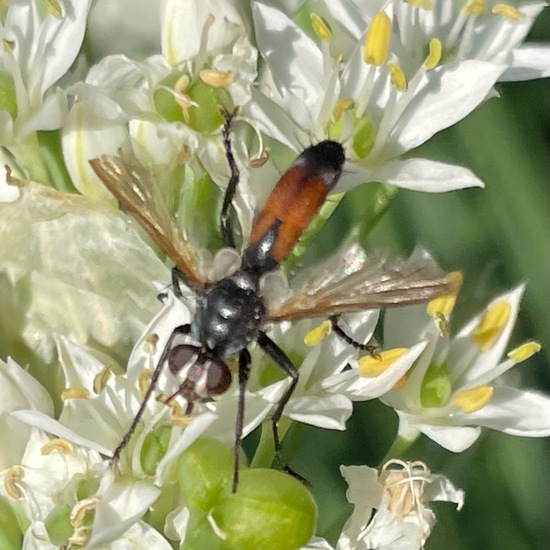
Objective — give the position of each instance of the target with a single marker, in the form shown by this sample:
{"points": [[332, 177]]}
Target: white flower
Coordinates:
{"points": [[332, 376], [377, 101], [74, 268], [390, 507], [39, 50], [454, 388], [165, 108]]}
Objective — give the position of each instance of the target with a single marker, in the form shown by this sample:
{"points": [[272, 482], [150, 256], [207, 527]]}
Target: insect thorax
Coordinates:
{"points": [[229, 315]]}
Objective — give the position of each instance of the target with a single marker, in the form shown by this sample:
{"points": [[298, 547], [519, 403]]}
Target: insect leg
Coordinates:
{"points": [[227, 233], [183, 329], [369, 348], [244, 370], [279, 356]]}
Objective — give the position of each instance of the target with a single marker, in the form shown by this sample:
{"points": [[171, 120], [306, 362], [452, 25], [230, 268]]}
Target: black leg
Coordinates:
{"points": [[244, 369], [279, 356], [369, 348], [225, 227], [183, 329]]}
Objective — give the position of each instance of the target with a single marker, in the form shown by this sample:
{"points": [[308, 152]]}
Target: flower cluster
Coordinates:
{"points": [[81, 279]]}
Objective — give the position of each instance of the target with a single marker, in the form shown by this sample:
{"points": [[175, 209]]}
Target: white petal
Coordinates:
{"points": [[140, 536], [87, 136], [453, 438], [451, 93], [358, 388], [63, 40], [48, 424], [441, 489], [18, 390], [426, 175], [485, 360], [516, 412], [294, 59], [528, 62], [122, 504], [330, 412], [48, 116]]}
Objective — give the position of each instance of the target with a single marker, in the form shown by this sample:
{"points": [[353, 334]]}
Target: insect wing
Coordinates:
{"points": [[132, 185], [353, 281]]}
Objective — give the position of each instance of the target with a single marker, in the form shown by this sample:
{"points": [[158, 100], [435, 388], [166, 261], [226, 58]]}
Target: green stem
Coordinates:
{"points": [[399, 447], [52, 154], [265, 451]]}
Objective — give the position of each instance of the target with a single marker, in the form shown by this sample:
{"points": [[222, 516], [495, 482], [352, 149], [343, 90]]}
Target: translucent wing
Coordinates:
{"points": [[132, 185], [354, 281]]}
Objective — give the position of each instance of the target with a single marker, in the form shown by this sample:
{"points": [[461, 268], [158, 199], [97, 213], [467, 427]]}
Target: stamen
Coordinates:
{"points": [[434, 54], [400, 384], [523, 352], [474, 8], [11, 479], [342, 107], [508, 11], [79, 510], [258, 160], [397, 77], [319, 333], [217, 79], [444, 305], [372, 366], [101, 379], [74, 392], [491, 325], [470, 401], [320, 27], [377, 42], [57, 445], [422, 4], [144, 380], [150, 342]]}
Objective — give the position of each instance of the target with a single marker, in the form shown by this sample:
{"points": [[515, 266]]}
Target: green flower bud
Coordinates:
{"points": [[58, 525], [270, 511], [11, 537], [436, 387], [154, 448], [204, 470]]}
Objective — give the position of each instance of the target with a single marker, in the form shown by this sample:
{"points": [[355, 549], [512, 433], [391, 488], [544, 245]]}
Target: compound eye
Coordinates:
{"points": [[218, 377], [180, 356]]}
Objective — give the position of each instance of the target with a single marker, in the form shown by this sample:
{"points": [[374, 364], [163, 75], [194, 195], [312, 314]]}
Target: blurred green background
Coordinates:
{"points": [[498, 237]]}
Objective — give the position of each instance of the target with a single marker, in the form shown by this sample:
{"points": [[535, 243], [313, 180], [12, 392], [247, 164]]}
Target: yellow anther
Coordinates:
{"points": [[342, 107], [259, 160], [61, 446], [11, 479], [434, 54], [508, 11], [371, 366], [313, 337], [491, 325], [74, 392], [377, 42], [182, 83], [474, 8], [144, 380], [422, 4], [101, 379], [150, 344], [443, 305], [217, 79], [397, 77], [523, 352], [320, 27], [79, 510], [470, 401], [442, 324]]}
